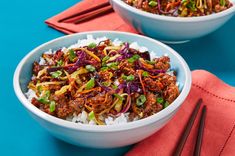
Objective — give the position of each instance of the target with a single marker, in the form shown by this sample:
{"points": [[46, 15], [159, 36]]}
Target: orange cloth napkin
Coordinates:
{"points": [[110, 21], [219, 133]]}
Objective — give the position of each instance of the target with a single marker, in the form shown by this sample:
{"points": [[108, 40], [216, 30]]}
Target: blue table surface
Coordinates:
{"points": [[22, 28]]}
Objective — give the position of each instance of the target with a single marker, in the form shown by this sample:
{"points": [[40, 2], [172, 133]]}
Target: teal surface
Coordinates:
{"points": [[22, 28]]}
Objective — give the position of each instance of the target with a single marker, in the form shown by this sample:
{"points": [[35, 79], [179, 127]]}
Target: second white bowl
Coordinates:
{"points": [[171, 29]]}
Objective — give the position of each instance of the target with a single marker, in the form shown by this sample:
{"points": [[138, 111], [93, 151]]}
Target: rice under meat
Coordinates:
{"points": [[102, 82]]}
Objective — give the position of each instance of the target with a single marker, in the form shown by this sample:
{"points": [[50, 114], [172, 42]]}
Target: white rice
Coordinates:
{"points": [[30, 94], [42, 61], [82, 118]]}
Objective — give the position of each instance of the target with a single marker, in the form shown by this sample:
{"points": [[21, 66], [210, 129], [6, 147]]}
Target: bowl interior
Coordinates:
{"points": [[24, 72]]}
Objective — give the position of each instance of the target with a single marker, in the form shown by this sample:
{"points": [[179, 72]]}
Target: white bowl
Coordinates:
{"points": [[93, 135], [171, 29]]}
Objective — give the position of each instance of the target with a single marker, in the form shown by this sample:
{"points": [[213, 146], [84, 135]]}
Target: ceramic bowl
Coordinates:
{"points": [[171, 29], [107, 136]]}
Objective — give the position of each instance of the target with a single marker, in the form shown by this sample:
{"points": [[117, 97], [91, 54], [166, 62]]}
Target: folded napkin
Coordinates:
{"points": [[110, 21], [219, 133]]}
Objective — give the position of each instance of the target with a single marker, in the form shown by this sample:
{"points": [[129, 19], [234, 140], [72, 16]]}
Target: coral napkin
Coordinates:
{"points": [[109, 21], [219, 133]]}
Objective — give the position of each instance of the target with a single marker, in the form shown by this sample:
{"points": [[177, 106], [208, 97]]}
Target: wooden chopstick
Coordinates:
{"points": [[198, 144], [95, 14], [187, 130], [85, 11]]}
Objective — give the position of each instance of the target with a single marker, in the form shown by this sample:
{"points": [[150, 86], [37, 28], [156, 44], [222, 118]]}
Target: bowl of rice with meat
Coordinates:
{"points": [[97, 86]]}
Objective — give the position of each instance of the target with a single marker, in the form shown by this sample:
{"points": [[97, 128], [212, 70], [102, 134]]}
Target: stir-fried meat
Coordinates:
{"points": [[105, 75], [162, 63], [102, 82], [171, 93], [58, 55], [100, 102], [63, 109], [153, 85], [77, 104], [167, 79], [35, 102], [36, 68], [151, 105]]}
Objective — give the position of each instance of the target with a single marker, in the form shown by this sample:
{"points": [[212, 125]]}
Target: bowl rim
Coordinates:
{"points": [[175, 19], [105, 128]]}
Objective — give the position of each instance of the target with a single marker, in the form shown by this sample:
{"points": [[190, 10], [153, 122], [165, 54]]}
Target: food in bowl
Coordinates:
{"points": [[97, 136], [182, 8], [102, 82]]}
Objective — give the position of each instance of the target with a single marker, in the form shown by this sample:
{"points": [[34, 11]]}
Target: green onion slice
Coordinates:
{"points": [[91, 115], [133, 58], [160, 100], [90, 68], [166, 104], [119, 97], [90, 84], [52, 106], [56, 74], [104, 68], [72, 54], [140, 100], [145, 74], [152, 3], [92, 45], [60, 63]]}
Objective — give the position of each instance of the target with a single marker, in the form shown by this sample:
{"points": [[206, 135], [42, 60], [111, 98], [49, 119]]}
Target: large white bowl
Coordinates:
{"points": [[102, 136], [171, 29]]}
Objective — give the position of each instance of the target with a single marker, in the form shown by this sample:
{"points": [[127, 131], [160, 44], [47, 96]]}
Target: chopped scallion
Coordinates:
{"points": [[119, 97], [90, 84], [56, 74], [145, 74], [104, 68], [47, 94], [222, 2], [92, 45], [60, 63], [166, 104], [114, 87], [43, 100], [113, 65], [128, 78], [72, 54], [52, 106], [90, 68], [152, 3], [150, 62], [133, 58], [91, 115], [106, 83], [160, 100], [140, 100]]}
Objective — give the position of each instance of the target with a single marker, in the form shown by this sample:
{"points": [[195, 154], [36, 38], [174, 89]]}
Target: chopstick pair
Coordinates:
{"points": [[188, 127], [88, 14]]}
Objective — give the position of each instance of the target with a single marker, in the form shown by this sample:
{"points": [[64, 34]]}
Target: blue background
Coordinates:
{"points": [[22, 28]]}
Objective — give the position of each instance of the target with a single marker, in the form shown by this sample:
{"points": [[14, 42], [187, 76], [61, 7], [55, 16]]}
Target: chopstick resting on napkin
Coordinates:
{"points": [[109, 21]]}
